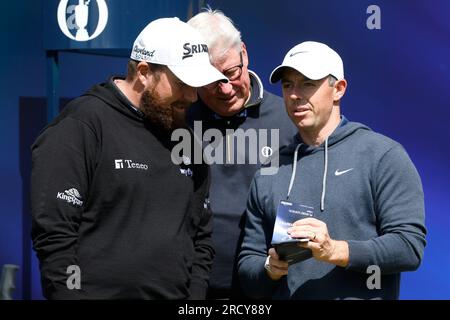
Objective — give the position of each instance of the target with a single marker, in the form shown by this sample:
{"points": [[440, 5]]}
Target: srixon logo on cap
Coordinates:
{"points": [[191, 49]]}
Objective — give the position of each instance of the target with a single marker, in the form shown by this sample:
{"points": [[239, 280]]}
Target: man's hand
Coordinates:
{"points": [[275, 268], [323, 247]]}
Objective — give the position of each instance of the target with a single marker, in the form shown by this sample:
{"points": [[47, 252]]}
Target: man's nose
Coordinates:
{"points": [[296, 94], [225, 88]]}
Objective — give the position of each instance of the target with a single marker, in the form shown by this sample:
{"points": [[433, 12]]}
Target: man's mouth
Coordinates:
{"points": [[301, 111], [229, 99], [180, 107]]}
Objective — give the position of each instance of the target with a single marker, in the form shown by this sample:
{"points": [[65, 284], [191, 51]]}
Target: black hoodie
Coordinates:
{"points": [[107, 198]]}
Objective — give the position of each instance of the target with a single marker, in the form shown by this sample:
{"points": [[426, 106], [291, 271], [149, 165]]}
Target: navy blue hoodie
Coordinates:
{"points": [[366, 189]]}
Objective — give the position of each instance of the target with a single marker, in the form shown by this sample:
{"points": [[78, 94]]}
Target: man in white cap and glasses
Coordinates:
{"points": [[113, 216], [349, 199]]}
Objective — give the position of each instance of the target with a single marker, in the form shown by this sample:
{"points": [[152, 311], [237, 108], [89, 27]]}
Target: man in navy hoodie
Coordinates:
{"points": [[360, 192]]}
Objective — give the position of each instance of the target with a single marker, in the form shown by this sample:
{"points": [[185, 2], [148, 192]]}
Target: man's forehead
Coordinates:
{"points": [[224, 58], [289, 74]]}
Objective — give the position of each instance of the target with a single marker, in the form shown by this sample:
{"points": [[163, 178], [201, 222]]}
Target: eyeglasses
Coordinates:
{"points": [[235, 72], [232, 73]]}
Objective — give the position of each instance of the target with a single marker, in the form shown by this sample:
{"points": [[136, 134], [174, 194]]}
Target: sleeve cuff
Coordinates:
{"points": [[359, 255]]}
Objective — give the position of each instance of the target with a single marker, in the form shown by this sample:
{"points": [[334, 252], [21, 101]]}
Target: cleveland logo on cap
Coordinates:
{"points": [[190, 49], [142, 53]]}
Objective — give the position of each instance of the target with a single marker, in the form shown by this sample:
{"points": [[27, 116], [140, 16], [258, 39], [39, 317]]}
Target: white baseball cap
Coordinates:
{"points": [[314, 60], [171, 42]]}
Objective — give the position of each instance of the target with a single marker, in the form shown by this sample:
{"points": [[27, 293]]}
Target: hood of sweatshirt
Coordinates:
{"points": [[109, 93], [298, 147]]}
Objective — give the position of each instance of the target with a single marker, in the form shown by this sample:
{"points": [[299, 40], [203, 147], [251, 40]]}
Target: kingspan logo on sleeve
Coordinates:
{"points": [[71, 196]]}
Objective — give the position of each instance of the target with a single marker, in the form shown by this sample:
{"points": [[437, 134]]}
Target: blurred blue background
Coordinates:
{"points": [[399, 84]]}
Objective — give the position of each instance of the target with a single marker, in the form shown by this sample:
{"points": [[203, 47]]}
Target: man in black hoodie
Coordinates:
{"points": [[113, 216]]}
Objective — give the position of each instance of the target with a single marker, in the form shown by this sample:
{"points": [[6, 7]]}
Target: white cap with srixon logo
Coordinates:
{"points": [[171, 42], [314, 60]]}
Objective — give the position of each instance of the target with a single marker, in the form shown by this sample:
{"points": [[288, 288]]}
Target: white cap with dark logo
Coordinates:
{"points": [[314, 60], [171, 42]]}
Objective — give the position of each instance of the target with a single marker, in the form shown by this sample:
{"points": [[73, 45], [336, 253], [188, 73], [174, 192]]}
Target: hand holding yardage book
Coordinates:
{"points": [[287, 247]]}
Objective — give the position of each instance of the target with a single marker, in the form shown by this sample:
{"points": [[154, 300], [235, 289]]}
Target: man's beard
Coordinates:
{"points": [[167, 117]]}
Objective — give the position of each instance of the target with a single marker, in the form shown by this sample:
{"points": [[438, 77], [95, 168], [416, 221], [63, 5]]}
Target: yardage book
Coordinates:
{"points": [[286, 246]]}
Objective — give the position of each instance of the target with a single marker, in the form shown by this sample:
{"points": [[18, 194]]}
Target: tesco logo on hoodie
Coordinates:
{"points": [[129, 164]]}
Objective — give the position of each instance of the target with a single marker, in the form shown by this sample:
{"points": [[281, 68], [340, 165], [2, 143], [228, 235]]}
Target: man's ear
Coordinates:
{"points": [[143, 73], [244, 54], [339, 89]]}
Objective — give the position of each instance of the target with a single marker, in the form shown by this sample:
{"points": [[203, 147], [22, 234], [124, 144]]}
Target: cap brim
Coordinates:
{"points": [[275, 76], [198, 76], [303, 68]]}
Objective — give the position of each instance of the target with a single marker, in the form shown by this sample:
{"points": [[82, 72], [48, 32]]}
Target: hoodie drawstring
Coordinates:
{"points": [[324, 179], [294, 169]]}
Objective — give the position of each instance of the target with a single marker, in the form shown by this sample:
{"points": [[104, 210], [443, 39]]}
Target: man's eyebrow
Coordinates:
{"points": [[285, 80], [304, 79]]}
